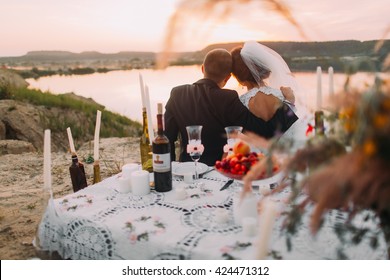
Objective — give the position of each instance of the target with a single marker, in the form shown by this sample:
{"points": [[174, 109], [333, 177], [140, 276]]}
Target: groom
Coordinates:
{"points": [[206, 103]]}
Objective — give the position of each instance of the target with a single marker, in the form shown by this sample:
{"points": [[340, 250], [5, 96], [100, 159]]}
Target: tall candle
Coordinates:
{"points": [[47, 161], [70, 138], [331, 88], [141, 84], [149, 113], [267, 219], [319, 88], [96, 139]]}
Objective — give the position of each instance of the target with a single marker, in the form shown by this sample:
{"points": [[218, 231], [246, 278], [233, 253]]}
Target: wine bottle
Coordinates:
{"points": [[162, 165], [145, 145], [77, 174]]}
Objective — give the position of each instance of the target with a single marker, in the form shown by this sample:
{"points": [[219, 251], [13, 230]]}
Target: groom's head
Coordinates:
{"points": [[217, 66]]}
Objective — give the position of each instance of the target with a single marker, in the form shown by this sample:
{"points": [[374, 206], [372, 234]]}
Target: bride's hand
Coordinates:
{"points": [[288, 93]]}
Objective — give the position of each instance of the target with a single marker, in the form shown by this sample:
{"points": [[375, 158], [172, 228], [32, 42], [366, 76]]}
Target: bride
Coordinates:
{"points": [[252, 64]]}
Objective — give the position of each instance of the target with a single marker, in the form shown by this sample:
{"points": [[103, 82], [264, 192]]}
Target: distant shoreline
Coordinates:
{"points": [[347, 56]]}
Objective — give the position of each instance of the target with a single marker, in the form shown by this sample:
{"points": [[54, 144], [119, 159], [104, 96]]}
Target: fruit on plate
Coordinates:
{"points": [[241, 147], [238, 164]]}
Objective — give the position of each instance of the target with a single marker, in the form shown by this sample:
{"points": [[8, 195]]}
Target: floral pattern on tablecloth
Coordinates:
{"points": [[141, 228], [228, 250], [76, 202], [98, 222], [126, 200]]}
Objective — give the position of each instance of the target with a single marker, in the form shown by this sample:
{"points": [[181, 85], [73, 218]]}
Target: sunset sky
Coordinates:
{"points": [[128, 25]]}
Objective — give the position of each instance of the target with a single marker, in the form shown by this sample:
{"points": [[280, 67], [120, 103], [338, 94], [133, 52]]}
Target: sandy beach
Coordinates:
{"points": [[22, 201]]}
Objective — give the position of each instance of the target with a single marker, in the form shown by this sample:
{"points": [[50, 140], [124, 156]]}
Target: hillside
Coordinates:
{"points": [[301, 56], [344, 56], [25, 114]]}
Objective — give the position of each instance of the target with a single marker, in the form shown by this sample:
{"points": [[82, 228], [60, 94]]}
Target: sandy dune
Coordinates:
{"points": [[22, 201]]}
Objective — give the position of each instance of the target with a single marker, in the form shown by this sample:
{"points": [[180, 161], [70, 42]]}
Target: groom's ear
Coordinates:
{"points": [[202, 68]]}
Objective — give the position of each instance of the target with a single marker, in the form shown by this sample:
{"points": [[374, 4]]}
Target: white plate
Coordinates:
{"points": [[276, 178], [188, 167]]}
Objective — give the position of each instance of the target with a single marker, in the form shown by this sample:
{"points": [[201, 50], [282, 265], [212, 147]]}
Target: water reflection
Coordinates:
{"points": [[119, 91]]}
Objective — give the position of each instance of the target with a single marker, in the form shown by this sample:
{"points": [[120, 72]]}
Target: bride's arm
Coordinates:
{"points": [[288, 94]]}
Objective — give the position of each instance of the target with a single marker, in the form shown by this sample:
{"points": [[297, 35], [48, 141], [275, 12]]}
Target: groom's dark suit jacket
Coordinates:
{"points": [[204, 103]]}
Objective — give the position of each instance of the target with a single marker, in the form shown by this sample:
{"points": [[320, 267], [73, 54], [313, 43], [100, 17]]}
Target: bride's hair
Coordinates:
{"points": [[241, 71]]}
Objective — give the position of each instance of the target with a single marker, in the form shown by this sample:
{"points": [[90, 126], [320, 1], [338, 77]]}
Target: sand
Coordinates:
{"points": [[22, 202]]}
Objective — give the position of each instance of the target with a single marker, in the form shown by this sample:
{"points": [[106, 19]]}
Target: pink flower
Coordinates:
{"points": [[226, 249], [133, 238]]}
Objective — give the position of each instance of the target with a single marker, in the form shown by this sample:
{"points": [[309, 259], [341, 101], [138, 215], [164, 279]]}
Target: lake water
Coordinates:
{"points": [[119, 91]]}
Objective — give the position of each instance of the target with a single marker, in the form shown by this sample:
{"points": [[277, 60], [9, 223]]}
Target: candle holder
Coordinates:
{"points": [[319, 126], [96, 172]]}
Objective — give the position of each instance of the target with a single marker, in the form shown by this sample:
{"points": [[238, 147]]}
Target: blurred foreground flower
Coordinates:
{"points": [[348, 169], [356, 180]]}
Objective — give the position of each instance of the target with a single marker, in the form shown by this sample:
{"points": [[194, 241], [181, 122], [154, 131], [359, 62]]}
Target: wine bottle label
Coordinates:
{"points": [[161, 162]]}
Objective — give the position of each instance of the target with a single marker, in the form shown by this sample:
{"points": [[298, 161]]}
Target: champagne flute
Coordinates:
{"points": [[195, 147], [231, 134]]}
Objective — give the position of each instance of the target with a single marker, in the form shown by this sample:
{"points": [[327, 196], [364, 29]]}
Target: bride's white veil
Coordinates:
{"points": [[256, 55]]}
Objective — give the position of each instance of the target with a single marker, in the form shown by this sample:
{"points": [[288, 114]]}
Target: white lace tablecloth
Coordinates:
{"points": [[99, 222]]}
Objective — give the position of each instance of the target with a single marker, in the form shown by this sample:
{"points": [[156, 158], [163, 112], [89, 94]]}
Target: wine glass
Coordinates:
{"points": [[231, 134], [195, 147]]}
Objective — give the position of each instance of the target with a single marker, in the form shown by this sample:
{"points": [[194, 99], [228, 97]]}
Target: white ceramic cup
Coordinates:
{"points": [[140, 182]]}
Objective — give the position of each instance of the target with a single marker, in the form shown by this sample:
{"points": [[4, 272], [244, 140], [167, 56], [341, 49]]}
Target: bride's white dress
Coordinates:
{"points": [[264, 89]]}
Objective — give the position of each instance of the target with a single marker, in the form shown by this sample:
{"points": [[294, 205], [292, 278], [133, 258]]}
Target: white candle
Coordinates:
{"points": [[149, 114], [124, 185], [141, 84], [96, 139], [247, 207], [180, 193], [267, 219], [249, 226], [70, 138], [331, 88], [47, 161], [129, 168], [319, 88], [140, 182]]}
